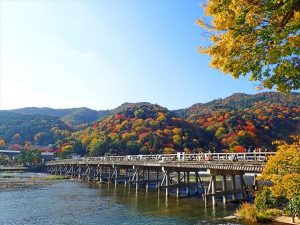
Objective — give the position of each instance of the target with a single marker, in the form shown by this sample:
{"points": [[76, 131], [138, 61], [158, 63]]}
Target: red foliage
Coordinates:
{"points": [[239, 149]]}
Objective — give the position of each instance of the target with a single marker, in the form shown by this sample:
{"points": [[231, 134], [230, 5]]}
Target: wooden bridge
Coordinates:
{"points": [[179, 172]]}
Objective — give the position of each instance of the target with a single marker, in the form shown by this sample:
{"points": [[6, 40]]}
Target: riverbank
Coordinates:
{"points": [[17, 179], [287, 220], [13, 168]]}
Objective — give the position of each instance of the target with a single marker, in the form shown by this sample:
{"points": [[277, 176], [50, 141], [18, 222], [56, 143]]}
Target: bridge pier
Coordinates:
{"points": [[233, 186], [178, 187], [224, 188], [213, 189]]}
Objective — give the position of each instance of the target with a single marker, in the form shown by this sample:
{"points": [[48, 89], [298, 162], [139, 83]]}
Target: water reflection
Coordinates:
{"points": [[154, 203], [75, 202]]}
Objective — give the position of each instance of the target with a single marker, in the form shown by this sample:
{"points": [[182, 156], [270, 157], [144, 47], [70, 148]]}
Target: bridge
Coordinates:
{"points": [[181, 172]]}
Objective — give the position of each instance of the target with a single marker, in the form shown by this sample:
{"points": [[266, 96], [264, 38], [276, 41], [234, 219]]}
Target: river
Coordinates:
{"points": [[75, 202]]}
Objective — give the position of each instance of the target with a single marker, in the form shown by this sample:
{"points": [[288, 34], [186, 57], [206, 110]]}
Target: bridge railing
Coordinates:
{"points": [[247, 157]]}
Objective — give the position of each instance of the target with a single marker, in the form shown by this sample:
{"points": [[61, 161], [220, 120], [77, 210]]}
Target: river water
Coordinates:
{"points": [[75, 202]]}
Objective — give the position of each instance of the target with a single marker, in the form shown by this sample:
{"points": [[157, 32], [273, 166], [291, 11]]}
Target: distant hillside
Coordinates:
{"points": [[248, 120], [72, 116], [238, 121], [143, 129], [240, 101], [16, 128]]}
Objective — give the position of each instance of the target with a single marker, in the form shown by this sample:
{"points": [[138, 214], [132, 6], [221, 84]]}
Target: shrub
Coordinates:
{"points": [[264, 199], [267, 215], [248, 211], [293, 208]]}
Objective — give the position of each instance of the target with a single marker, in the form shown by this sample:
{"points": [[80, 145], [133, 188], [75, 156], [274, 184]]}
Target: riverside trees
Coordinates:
{"points": [[256, 38]]}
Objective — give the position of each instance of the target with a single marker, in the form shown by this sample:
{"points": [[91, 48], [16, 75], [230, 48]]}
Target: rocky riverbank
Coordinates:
{"points": [[25, 179]]}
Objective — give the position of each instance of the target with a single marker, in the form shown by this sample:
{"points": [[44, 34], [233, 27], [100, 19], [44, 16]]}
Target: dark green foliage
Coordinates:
{"points": [[38, 129], [293, 208], [29, 158], [72, 116], [264, 199]]}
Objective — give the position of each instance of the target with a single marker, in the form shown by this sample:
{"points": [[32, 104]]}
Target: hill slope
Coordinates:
{"points": [[16, 128], [248, 120], [235, 121], [72, 116], [143, 129]]}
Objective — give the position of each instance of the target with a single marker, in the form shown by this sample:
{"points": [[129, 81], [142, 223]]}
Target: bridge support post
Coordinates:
{"points": [[137, 180], [126, 177], [187, 188], [178, 183], [197, 182], [242, 183], [167, 183], [101, 174], [213, 190], [148, 180], [233, 186], [117, 171], [157, 179], [109, 174], [79, 172], [224, 187]]}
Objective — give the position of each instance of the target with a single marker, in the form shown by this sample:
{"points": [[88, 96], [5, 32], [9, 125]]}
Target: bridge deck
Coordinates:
{"points": [[247, 162]]}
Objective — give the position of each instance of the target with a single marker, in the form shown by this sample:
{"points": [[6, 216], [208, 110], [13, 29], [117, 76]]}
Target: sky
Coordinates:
{"points": [[102, 53]]}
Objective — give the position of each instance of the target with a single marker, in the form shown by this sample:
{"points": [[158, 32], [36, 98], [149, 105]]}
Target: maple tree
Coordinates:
{"points": [[256, 38], [283, 170], [2, 143]]}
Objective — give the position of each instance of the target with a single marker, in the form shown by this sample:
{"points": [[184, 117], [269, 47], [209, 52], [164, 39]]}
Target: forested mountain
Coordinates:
{"points": [[248, 120], [72, 116], [235, 123], [143, 129], [240, 101], [21, 129]]}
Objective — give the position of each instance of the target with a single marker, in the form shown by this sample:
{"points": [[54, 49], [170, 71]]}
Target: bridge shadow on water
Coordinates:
{"points": [[153, 203]]}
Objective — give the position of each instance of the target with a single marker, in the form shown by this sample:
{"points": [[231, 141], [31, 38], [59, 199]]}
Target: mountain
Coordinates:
{"points": [[248, 120], [142, 128], [72, 116], [237, 122], [20, 129], [240, 101]]}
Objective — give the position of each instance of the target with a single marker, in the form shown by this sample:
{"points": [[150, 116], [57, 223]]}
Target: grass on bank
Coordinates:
{"points": [[53, 177], [249, 212]]}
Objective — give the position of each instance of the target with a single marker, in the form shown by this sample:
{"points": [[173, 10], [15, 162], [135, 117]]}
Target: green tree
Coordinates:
{"points": [[30, 157], [256, 38], [293, 208], [283, 170]]}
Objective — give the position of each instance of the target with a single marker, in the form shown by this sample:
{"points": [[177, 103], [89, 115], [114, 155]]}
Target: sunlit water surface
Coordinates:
{"points": [[74, 202]]}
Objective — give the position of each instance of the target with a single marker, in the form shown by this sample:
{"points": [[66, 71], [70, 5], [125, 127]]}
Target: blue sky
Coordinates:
{"points": [[100, 54]]}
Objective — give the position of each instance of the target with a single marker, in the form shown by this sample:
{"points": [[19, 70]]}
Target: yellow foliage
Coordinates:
{"points": [[113, 136], [187, 151], [177, 131], [161, 116], [169, 151], [283, 170], [67, 148], [2, 143], [259, 38], [177, 139]]}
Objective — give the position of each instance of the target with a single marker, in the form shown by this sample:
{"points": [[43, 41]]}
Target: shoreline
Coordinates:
{"points": [[281, 219], [9, 179]]}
